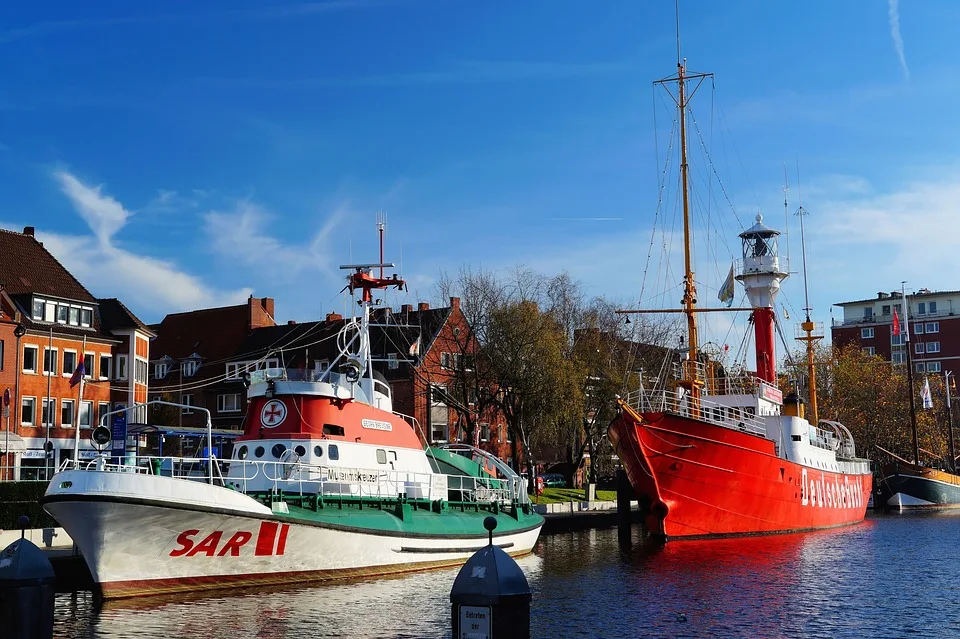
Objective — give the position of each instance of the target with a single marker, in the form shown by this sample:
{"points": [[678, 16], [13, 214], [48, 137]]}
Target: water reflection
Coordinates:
{"points": [[889, 577]]}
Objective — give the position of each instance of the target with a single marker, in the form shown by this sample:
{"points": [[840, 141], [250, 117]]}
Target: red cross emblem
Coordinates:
{"points": [[273, 413]]}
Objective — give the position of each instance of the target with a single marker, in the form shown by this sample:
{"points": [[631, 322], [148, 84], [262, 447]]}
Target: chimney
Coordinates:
{"points": [[454, 303], [423, 306], [882, 296], [28, 230], [260, 312], [291, 322], [334, 317], [267, 305], [406, 308]]}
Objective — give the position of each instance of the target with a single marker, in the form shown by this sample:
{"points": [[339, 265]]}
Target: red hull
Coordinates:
{"points": [[706, 480]]}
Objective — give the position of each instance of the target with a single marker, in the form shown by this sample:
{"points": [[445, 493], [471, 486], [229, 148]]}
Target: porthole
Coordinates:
{"points": [[318, 450], [277, 450], [258, 452], [242, 453], [300, 450]]}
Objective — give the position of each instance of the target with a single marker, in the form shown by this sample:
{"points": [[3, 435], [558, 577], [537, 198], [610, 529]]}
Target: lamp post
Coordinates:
{"points": [[19, 331]]}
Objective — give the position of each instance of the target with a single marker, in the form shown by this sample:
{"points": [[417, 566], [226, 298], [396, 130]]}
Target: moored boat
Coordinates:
{"points": [[327, 482], [716, 454]]}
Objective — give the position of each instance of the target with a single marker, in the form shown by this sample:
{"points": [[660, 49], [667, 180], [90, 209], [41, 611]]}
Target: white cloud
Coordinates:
{"points": [[893, 11], [244, 234], [145, 283]]}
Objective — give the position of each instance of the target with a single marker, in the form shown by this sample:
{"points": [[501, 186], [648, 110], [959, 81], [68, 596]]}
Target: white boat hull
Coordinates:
{"points": [[137, 545]]}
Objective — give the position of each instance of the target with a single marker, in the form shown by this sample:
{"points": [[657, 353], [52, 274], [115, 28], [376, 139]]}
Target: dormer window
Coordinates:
{"points": [[86, 316], [63, 313], [74, 315], [37, 309], [160, 370], [190, 367]]}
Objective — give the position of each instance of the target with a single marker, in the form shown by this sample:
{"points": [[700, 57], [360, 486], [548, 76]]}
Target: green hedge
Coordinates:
{"points": [[23, 498]]}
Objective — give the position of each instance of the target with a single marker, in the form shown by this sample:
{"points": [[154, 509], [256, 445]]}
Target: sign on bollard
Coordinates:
{"points": [[490, 598]]}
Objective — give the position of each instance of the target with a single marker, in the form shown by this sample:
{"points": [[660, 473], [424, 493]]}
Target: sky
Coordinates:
{"points": [[187, 155]]}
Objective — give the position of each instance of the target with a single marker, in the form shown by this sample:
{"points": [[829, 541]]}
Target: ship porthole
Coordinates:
{"points": [[258, 452], [277, 450], [300, 450], [242, 453], [318, 450]]}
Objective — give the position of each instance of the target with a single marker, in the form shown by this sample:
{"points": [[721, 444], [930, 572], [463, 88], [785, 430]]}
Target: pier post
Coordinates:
{"points": [[624, 514]]}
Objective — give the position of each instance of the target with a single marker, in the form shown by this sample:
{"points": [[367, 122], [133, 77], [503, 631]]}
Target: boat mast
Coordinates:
{"points": [[689, 286], [808, 327], [913, 408]]}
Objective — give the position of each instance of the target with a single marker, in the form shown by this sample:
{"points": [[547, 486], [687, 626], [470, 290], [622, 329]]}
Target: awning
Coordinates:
{"points": [[11, 442]]}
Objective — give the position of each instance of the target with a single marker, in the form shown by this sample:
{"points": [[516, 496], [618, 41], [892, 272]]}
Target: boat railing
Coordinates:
{"points": [[328, 481], [295, 375], [741, 418]]}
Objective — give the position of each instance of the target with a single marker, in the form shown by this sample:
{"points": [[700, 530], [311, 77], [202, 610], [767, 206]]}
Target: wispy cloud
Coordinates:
{"points": [[146, 283], [244, 235], [893, 10]]}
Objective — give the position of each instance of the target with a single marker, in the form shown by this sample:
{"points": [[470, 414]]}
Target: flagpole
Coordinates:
{"points": [[76, 434], [913, 408]]}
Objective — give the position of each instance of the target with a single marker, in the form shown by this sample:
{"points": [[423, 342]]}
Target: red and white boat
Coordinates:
{"points": [[713, 455], [327, 482]]}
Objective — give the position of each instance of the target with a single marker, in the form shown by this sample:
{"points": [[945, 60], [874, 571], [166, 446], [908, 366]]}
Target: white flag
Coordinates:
{"points": [[415, 347], [925, 394]]}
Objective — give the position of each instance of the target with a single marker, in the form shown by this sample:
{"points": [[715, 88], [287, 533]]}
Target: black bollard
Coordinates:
{"points": [[26, 589], [490, 598], [624, 514]]}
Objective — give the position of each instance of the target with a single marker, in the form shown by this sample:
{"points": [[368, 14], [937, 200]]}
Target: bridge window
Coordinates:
{"points": [[333, 429], [381, 456], [334, 452]]}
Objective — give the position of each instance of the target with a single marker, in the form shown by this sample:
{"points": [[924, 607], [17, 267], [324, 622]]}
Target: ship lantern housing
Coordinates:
{"points": [[761, 272]]}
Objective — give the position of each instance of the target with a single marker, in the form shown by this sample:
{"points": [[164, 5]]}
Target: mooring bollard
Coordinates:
{"points": [[26, 589], [490, 598]]}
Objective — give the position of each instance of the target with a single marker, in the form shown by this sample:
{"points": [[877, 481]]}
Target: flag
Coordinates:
{"points": [[896, 323], [726, 291], [925, 393], [415, 347], [77, 375]]}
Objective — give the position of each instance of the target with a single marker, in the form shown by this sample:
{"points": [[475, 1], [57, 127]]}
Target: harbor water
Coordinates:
{"points": [[892, 576]]}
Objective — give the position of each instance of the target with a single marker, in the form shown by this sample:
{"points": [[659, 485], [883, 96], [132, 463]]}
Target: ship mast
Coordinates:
{"points": [[689, 286], [906, 341], [808, 327]]}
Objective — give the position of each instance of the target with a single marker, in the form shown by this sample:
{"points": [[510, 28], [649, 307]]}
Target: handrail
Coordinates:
{"points": [[732, 417]]}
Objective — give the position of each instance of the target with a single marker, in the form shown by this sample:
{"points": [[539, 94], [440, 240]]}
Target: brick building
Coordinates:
{"points": [[49, 325], [934, 328]]}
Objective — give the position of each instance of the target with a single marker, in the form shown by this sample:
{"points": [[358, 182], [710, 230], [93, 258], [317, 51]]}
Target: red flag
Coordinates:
{"points": [[896, 323]]}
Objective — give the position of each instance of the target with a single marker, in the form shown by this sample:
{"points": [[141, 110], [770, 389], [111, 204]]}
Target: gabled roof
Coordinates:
{"points": [[27, 267], [115, 315], [213, 333]]}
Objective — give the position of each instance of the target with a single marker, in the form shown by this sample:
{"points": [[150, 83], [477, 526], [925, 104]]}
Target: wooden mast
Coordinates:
{"points": [[808, 327], [689, 285]]}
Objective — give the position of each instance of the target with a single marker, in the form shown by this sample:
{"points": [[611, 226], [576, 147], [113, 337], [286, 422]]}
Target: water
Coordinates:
{"points": [[892, 576]]}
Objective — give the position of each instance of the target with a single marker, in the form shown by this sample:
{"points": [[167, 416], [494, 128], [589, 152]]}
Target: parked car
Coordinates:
{"points": [[554, 480]]}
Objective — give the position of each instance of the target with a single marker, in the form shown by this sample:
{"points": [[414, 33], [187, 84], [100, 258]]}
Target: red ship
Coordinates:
{"points": [[712, 454]]}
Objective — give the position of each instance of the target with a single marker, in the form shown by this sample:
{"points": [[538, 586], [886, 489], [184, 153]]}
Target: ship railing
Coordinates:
{"points": [[296, 375], [742, 418]]}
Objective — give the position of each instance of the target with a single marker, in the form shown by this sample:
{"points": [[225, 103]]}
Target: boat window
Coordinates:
{"points": [[381, 456], [333, 429], [242, 452], [318, 450], [382, 388], [300, 450], [334, 452], [796, 438], [258, 452], [277, 450]]}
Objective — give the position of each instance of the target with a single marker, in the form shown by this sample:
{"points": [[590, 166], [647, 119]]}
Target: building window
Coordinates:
{"points": [[933, 367], [188, 400], [866, 333], [933, 327], [50, 312], [30, 359], [49, 361], [922, 308], [28, 410], [74, 315], [919, 367], [868, 313], [485, 432], [66, 412], [899, 358], [37, 309], [918, 348], [63, 312], [439, 414], [393, 363], [445, 360], [105, 366], [86, 317], [69, 362], [86, 414], [48, 407], [932, 307], [233, 371], [121, 366], [896, 340], [869, 350], [190, 367], [229, 403], [321, 365], [886, 309], [88, 364], [160, 370], [918, 328], [933, 347], [102, 409], [141, 371]]}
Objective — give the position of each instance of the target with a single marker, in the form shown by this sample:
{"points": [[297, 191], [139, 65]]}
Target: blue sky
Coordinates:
{"points": [[186, 155]]}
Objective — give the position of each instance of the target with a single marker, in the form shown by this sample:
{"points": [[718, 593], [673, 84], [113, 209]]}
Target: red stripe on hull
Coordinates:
{"points": [[706, 480]]}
